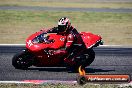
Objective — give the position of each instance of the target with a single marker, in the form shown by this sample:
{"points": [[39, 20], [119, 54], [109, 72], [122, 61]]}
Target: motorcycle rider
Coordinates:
{"points": [[74, 43]]}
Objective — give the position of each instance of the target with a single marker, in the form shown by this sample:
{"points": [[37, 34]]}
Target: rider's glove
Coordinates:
{"points": [[60, 52], [69, 61]]}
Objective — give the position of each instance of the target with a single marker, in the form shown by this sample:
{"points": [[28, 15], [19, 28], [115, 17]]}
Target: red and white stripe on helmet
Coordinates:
{"points": [[64, 21]]}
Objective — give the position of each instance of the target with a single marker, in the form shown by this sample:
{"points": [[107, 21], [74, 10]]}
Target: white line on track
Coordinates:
{"points": [[39, 81], [54, 81], [116, 46], [25, 44], [12, 44]]}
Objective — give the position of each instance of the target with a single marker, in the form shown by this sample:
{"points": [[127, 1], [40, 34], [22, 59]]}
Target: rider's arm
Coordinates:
{"points": [[70, 40], [52, 30]]}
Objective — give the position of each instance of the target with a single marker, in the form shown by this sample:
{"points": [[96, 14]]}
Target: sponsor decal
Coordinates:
{"points": [[29, 43], [103, 78], [108, 78], [62, 39]]}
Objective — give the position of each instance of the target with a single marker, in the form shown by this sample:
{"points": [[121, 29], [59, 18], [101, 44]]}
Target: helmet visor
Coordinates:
{"points": [[61, 28]]}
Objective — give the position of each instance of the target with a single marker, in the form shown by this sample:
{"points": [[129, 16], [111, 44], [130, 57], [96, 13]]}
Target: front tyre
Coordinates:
{"points": [[22, 60]]}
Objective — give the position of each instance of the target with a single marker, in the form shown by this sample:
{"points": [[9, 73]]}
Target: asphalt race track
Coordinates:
{"points": [[109, 60]]}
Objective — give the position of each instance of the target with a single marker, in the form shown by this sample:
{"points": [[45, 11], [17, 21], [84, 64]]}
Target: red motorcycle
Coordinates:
{"points": [[41, 47]]}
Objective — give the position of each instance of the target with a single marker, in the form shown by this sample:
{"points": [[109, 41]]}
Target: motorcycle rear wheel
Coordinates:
{"points": [[89, 57], [85, 60]]}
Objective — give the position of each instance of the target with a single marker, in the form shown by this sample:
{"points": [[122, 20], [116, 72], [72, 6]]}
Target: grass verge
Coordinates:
{"points": [[60, 85], [115, 28], [69, 3]]}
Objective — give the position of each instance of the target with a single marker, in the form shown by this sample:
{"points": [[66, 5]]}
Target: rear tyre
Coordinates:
{"points": [[85, 59], [22, 60], [90, 56]]}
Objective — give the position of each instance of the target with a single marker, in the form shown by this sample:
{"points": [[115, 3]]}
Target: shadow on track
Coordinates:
{"points": [[92, 70], [63, 69], [49, 69]]}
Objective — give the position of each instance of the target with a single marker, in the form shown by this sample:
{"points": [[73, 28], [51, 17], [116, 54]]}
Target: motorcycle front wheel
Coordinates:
{"points": [[22, 60]]}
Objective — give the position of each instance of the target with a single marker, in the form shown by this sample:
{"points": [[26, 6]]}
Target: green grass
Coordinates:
{"points": [[66, 3], [115, 28], [63, 85], [59, 85]]}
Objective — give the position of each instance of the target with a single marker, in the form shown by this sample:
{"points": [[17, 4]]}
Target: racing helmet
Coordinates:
{"points": [[63, 24]]}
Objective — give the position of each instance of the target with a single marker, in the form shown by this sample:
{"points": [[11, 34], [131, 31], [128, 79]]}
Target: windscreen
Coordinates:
{"points": [[42, 38]]}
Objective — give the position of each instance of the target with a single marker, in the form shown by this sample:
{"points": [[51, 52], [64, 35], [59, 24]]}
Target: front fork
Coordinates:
{"points": [[32, 57]]}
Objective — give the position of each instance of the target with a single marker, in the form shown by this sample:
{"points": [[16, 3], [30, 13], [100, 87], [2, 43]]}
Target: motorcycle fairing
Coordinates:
{"points": [[58, 42], [90, 39]]}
